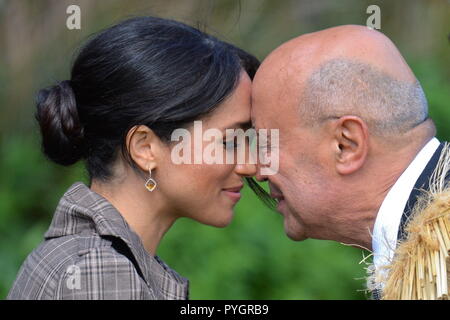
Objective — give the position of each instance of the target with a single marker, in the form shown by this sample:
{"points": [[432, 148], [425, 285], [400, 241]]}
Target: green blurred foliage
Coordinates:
{"points": [[252, 258]]}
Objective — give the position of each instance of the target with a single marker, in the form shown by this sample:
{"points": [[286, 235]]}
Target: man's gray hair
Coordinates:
{"points": [[345, 87]]}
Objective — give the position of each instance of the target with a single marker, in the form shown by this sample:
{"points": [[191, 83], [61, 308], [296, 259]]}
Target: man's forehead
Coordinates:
{"points": [[271, 82], [278, 84], [275, 106], [275, 91], [285, 71]]}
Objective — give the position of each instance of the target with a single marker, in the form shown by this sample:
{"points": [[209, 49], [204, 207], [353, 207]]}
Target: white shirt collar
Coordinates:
{"points": [[385, 230]]}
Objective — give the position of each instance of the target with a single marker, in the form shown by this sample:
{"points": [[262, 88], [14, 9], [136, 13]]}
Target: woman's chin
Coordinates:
{"points": [[222, 219]]}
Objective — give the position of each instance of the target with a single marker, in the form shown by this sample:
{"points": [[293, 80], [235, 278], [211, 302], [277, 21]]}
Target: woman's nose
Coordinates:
{"points": [[246, 169]]}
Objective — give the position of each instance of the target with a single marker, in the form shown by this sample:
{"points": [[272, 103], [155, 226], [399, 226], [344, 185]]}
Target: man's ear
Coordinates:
{"points": [[143, 146], [351, 139]]}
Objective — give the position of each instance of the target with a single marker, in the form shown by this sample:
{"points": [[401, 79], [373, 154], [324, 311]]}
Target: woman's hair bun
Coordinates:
{"points": [[61, 130]]}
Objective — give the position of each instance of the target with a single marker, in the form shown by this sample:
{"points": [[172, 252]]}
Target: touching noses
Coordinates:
{"points": [[260, 177], [250, 170], [246, 169]]}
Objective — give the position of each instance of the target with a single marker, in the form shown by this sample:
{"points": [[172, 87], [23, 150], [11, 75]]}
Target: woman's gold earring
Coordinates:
{"points": [[150, 184]]}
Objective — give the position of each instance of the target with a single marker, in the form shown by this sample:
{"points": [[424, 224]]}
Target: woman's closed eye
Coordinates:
{"points": [[231, 144]]}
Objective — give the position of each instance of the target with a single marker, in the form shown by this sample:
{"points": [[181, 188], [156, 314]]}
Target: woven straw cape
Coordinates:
{"points": [[420, 268]]}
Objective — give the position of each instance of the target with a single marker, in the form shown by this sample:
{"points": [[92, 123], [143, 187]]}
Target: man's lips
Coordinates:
{"points": [[280, 201], [277, 196], [275, 193]]}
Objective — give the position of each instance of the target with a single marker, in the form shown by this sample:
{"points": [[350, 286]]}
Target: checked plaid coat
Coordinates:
{"points": [[90, 252]]}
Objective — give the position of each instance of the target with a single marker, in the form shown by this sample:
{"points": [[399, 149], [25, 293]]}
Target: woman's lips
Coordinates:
{"points": [[235, 196], [233, 193]]}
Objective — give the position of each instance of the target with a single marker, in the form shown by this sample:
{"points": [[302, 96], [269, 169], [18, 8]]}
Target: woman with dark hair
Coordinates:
{"points": [[131, 86]]}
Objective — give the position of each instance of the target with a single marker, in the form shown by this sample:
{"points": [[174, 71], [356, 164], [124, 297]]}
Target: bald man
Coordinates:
{"points": [[355, 139]]}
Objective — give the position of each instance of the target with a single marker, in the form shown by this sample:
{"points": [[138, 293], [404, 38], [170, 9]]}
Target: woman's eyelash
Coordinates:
{"points": [[230, 144]]}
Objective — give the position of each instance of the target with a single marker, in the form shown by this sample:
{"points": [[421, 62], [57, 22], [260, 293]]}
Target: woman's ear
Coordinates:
{"points": [[351, 141], [143, 146]]}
